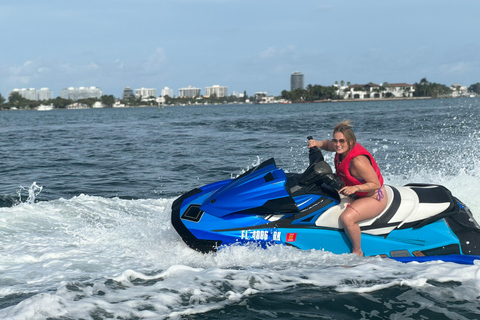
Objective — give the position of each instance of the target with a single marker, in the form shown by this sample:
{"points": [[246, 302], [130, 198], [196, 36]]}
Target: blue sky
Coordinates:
{"points": [[251, 45]]}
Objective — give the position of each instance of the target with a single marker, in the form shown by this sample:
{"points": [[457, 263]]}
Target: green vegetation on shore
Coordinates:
{"points": [[424, 88], [311, 93], [430, 89]]}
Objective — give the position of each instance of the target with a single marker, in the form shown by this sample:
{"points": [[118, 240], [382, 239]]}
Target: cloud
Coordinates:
{"points": [[22, 69], [457, 68], [56, 73], [155, 61], [21, 75], [269, 53], [274, 52], [120, 64], [67, 68], [288, 50], [92, 66]]}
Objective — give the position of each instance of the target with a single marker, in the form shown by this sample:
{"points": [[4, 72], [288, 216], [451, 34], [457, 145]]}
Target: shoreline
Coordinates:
{"points": [[292, 102], [368, 100]]}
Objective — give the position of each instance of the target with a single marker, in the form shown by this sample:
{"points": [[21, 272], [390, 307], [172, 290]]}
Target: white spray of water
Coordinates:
{"points": [[91, 257], [33, 191]]}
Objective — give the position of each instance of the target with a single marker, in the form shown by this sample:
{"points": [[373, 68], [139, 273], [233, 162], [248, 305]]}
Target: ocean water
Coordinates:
{"points": [[85, 212]]}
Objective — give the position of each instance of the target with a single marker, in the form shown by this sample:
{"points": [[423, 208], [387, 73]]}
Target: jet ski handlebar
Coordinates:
{"points": [[320, 171], [314, 153]]}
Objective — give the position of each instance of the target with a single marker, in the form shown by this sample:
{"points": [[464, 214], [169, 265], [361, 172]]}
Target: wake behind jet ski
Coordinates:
{"points": [[267, 206]]}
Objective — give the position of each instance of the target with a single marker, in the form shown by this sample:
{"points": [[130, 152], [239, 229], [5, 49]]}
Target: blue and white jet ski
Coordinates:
{"points": [[265, 205]]}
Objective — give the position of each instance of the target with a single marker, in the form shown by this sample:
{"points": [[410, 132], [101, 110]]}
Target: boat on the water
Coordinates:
{"points": [[45, 107], [267, 206]]}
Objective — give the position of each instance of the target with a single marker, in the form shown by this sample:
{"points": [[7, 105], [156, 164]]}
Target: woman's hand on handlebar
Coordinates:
{"points": [[312, 143], [348, 191]]}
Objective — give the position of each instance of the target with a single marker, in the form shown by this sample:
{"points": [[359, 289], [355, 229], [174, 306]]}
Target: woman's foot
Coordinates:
{"points": [[359, 253]]}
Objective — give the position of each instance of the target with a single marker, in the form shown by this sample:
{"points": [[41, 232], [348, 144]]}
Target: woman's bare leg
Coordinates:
{"points": [[359, 210]]}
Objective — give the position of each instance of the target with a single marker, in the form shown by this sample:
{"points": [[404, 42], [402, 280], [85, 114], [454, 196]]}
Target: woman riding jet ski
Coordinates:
{"points": [[362, 177], [420, 222]]}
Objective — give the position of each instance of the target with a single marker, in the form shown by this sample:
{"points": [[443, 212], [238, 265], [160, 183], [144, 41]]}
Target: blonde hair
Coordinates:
{"points": [[346, 128]]}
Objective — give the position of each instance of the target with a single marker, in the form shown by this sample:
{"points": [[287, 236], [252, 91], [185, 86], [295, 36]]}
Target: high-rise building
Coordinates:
{"points": [[217, 90], [44, 94], [33, 94], [146, 93], [189, 92], [29, 94], [296, 81], [81, 93], [127, 93], [167, 92]]}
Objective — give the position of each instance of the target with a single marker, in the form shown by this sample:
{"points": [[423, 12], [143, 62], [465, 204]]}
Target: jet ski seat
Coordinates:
{"points": [[409, 206]]}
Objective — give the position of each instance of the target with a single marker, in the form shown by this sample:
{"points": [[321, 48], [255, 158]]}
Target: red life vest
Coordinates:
{"points": [[343, 167]]}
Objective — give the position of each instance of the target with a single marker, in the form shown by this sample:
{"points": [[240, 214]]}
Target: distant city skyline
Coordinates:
{"points": [[76, 93], [251, 46], [72, 93]]}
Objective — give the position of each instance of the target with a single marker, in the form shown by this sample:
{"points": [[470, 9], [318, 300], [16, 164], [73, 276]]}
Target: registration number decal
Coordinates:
{"points": [[264, 235]]}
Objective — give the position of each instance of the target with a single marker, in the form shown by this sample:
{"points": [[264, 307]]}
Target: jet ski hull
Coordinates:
{"points": [[266, 207]]}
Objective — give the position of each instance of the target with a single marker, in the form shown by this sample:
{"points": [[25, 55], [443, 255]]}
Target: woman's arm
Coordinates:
{"points": [[322, 144], [361, 168]]}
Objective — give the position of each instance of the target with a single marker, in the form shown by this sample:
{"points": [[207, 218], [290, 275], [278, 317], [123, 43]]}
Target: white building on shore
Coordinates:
{"points": [[189, 92], [34, 94], [458, 90], [81, 93], [217, 90], [44, 94], [167, 92], [375, 91], [146, 93]]}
